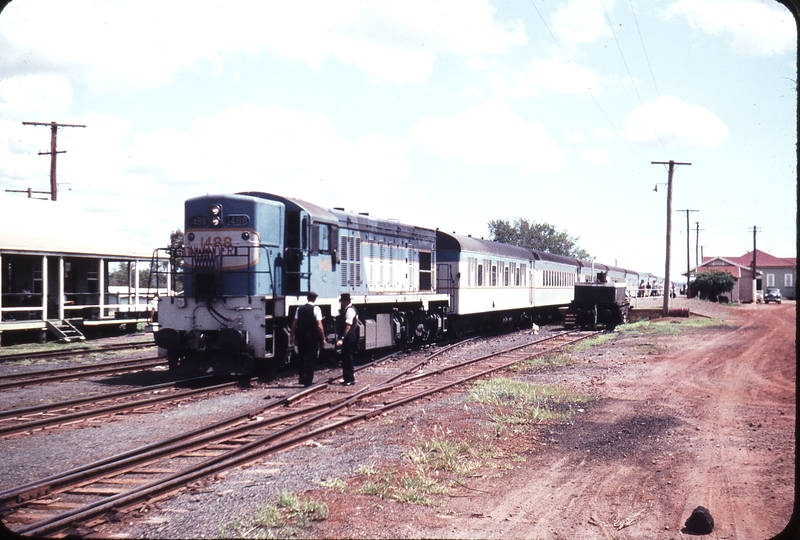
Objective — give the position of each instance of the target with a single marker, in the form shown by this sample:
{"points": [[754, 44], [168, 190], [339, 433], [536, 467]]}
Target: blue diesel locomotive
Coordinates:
{"points": [[249, 259]]}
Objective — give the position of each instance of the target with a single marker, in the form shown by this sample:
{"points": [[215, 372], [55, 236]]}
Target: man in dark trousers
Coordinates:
{"points": [[308, 334], [348, 339]]}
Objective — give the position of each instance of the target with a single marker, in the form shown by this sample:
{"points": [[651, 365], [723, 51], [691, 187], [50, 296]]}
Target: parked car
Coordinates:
{"points": [[772, 295]]}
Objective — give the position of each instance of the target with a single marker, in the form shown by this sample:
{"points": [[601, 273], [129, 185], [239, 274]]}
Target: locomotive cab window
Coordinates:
{"points": [[321, 238], [304, 230]]}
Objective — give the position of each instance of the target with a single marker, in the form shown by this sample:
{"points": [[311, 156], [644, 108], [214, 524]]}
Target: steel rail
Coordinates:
{"points": [[91, 413], [19, 380], [76, 350]]}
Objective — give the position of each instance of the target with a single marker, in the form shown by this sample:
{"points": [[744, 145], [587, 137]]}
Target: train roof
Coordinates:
{"points": [[457, 243], [32, 226], [552, 257], [318, 214], [338, 216]]}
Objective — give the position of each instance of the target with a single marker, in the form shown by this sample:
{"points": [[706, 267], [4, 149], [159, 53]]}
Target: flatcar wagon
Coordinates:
{"points": [[599, 303]]}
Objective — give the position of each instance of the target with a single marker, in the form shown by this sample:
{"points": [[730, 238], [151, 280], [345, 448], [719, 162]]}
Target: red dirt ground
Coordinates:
{"points": [[705, 418]]}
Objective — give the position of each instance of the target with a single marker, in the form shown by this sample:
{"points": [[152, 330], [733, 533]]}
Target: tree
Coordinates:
{"points": [[533, 235], [711, 284]]}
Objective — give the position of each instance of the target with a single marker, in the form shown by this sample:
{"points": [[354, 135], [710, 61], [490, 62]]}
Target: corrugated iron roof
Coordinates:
{"points": [[764, 259], [47, 227]]}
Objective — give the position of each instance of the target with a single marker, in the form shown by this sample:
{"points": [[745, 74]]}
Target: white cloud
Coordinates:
{"points": [[233, 152], [595, 156], [138, 44], [574, 136], [553, 75], [669, 117], [754, 28], [490, 135], [44, 96], [581, 21]]}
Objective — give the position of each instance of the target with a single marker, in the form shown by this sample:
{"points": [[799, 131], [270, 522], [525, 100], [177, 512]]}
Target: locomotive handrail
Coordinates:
{"points": [[214, 263]]}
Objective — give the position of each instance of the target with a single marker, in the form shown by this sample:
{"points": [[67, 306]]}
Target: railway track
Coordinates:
{"points": [[32, 419], [72, 351], [19, 380], [85, 497]]}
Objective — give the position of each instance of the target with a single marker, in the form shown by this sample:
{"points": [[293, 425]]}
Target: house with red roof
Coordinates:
{"points": [[771, 271], [745, 288], [780, 272]]}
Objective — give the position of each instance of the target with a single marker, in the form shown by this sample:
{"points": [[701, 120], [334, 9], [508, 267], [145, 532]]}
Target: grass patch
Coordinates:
{"points": [[443, 455], [408, 488], [283, 519], [593, 342], [670, 328], [543, 361], [524, 403], [435, 463], [333, 483]]}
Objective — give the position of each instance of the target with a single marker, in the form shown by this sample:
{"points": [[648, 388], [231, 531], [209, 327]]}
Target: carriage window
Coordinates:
{"points": [[480, 275], [494, 275]]}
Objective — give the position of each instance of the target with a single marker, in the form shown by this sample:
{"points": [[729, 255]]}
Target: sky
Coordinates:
{"points": [[446, 114]]}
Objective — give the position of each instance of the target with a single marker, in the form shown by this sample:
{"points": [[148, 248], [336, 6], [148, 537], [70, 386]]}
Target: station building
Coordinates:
{"points": [[771, 271], [60, 272]]}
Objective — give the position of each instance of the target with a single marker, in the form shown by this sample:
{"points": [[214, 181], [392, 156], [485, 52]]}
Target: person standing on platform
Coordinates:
{"points": [[348, 339], [308, 334]]}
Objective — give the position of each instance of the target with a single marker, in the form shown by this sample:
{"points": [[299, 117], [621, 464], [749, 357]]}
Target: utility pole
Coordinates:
{"points": [[697, 243], [688, 260], [667, 282], [53, 134], [755, 280]]}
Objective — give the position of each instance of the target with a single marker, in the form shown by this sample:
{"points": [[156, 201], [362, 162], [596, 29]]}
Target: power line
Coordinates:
{"points": [[625, 63], [650, 68], [597, 103]]}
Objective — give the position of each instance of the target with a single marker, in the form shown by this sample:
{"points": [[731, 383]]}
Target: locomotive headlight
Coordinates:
{"points": [[190, 236], [245, 235], [216, 215]]}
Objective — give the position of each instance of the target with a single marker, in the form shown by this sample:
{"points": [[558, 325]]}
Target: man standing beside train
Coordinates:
{"points": [[308, 333], [348, 340]]}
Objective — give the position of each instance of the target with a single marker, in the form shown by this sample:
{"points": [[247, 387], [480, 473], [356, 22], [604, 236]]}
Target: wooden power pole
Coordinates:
{"points": [[53, 135], [667, 282]]}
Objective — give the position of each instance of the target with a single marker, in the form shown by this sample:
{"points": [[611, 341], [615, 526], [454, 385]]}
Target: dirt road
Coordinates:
{"points": [[701, 419]]}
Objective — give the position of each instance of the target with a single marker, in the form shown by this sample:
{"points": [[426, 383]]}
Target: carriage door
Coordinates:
{"points": [[297, 260], [446, 283]]}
